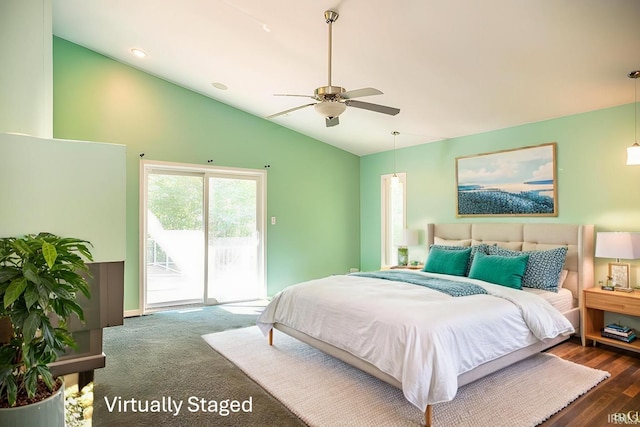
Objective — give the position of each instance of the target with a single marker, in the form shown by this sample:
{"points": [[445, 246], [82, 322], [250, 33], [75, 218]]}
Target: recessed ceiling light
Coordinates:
{"points": [[139, 53], [220, 86]]}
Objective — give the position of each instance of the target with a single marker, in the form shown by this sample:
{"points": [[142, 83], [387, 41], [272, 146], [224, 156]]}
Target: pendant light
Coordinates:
{"points": [[633, 152], [394, 179]]}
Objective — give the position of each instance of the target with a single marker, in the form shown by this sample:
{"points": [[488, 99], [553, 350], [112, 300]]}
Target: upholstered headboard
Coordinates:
{"points": [[578, 239]]}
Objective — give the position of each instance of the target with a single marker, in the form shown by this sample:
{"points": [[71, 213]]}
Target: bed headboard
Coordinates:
{"points": [[578, 239]]}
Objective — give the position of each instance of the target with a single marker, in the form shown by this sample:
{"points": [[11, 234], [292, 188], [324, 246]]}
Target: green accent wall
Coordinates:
{"points": [[312, 188], [594, 184]]}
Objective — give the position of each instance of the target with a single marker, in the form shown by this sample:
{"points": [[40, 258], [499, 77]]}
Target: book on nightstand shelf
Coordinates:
{"points": [[619, 332]]}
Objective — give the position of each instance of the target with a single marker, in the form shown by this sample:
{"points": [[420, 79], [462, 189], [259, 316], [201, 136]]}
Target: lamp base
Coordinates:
{"points": [[403, 255]]}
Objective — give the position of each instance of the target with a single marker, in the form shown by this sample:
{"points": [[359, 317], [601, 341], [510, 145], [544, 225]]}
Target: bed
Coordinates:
{"points": [[375, 321]]}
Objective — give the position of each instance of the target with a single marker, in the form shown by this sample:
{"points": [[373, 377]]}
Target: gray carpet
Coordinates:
{"points": [[163, 355]]}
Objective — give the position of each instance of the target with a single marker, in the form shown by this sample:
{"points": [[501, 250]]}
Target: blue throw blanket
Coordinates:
{"points": [[450, 287]]}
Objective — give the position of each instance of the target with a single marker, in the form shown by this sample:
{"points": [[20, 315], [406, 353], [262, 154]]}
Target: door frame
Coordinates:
{"points": [[147, 166]]}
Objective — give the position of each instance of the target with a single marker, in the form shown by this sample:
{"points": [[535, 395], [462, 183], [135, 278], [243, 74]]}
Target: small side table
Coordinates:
{"points": [[596, 302], [407, 267]]}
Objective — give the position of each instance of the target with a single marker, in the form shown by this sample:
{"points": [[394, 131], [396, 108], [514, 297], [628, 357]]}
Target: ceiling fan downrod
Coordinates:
{"points": [[330, 17]]}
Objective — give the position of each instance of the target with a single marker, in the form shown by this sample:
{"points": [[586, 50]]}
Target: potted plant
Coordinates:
{"points": [[40, 276]]}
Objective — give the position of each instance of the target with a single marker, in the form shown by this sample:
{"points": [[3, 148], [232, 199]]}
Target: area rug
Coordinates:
{"points": [[324, 391]]}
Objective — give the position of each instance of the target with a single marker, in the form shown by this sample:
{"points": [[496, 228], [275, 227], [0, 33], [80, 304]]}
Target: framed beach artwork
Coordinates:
{"points": [[519, 182]]}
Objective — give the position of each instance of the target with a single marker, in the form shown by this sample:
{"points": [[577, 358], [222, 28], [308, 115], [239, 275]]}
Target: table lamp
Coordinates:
{"points": [[409, 238], [618, 245]]}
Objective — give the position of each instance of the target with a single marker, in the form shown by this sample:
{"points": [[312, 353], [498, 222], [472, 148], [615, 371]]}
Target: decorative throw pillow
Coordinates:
{"points": [[543, 269], [563, 276], [447, 261], [475, 248], [500, 270]]}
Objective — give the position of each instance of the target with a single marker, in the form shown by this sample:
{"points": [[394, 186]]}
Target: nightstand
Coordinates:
{"points": [[596, 302], [407, 267]]}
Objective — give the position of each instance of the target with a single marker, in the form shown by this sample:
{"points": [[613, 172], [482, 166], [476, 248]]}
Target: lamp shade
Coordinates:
{"points": [[633, 154], [617, 244], [409, 238], [330, 108]]}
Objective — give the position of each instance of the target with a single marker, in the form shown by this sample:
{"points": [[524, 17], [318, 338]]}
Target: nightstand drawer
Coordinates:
{"points": [[618, 303]]}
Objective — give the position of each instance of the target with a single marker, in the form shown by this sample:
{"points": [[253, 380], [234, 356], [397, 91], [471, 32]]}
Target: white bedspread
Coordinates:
{"points": [[421, 337]]}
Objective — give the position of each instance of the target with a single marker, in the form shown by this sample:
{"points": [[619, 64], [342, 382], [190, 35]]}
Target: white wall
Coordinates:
{"points": [[26, 70], [70, 188]]}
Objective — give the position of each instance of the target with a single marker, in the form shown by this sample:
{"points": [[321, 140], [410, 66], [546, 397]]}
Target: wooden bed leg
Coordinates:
{"points": [[427, 416], [271, 337]]}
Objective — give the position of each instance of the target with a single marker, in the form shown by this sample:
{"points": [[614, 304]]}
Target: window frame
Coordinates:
{"points": [[389, 256]]}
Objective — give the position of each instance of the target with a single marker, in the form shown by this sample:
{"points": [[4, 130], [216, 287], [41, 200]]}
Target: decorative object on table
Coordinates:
{"points": [[531, 190], [40, 277], [618, 245], [609, 285], [633, 152], [619, 332], [409, 238]]}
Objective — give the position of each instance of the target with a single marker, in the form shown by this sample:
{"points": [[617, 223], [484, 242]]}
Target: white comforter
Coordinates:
{"points": [[421, 337]]}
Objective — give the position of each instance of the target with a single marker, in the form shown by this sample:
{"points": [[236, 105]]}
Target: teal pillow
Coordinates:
{"points": [[543, 269], [500, 270], [481, 247], [446, 261]]}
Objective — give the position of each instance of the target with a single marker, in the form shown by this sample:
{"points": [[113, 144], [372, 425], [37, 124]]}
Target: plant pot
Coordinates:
{"points": [[46, 413]]}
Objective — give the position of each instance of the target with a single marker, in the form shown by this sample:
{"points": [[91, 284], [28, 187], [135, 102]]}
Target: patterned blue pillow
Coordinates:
{"points": [[543, 269]]}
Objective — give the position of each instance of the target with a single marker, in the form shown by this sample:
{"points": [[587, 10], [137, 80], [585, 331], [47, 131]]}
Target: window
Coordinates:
{"points": [[393, 216]]}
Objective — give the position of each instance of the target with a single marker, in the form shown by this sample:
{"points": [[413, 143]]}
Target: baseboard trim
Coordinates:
{"points": [[133, 313]]}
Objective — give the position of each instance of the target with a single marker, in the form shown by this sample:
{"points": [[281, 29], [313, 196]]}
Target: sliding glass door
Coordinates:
{"points": [[203, 235], [175, 239], [234, 262]]}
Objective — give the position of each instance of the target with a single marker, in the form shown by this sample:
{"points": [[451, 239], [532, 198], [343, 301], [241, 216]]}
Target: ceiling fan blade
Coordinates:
{"points": [[289, 110], [359, 93], [287, 94], [332, 121], [373, 107]]}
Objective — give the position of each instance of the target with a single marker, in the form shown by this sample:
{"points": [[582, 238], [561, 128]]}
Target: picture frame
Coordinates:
{"points": [[515, 182], [619, 273]]}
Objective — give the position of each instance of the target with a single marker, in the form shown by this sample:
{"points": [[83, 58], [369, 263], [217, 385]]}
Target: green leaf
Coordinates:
{"points": [[30, 272], [31, 382], [31, 325], [46, 376], [7, 274], [14, 291], [48, 333], [12, 389], [31, 296], [49, 252], [22, 248]]}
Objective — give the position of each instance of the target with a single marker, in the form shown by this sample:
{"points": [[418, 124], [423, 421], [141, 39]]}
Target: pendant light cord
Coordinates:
{"points": [[634, 75], [394, 133], [635, 106]]}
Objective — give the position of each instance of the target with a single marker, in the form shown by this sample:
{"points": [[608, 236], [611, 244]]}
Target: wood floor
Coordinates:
{"points": [[618, 394]]}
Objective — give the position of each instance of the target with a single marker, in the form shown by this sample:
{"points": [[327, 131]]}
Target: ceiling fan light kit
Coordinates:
{"points": [[334, 100], [330, 109]]}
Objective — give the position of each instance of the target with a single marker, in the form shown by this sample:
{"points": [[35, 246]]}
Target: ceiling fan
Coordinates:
{"points": [[333, 100]]}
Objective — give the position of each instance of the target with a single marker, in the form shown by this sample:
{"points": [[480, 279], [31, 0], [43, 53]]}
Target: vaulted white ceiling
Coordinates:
{"points": [[453, 67]]}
